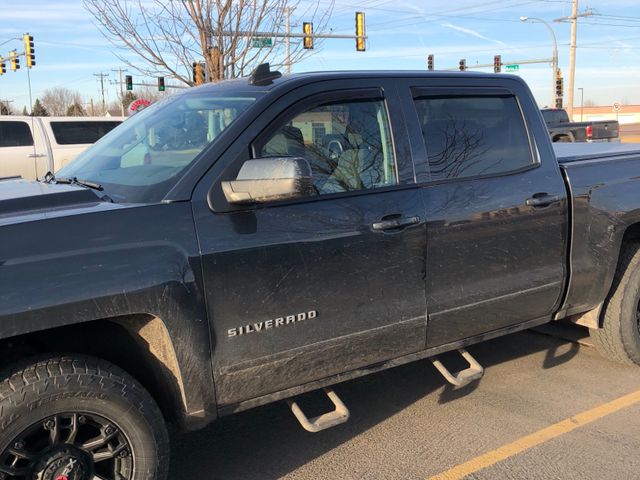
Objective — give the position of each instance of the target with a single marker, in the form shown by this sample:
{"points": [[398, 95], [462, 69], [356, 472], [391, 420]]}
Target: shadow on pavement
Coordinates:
{"points": [[268, 443]]}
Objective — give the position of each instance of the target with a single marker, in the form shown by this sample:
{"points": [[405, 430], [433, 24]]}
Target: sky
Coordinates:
{"points": [[70, 48]]}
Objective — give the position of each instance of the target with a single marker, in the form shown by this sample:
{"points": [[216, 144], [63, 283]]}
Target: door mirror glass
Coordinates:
{"points": [[269, 179]]}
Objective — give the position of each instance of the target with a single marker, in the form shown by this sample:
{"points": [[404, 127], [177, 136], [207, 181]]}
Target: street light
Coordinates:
{"points": [[555, 53]]}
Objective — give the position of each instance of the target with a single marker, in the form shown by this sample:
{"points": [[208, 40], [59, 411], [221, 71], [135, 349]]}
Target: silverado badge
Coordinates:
{"points": [[258, 327]]}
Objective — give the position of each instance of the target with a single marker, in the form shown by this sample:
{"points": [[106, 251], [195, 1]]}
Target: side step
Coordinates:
{"points": [[463, 377], [328, 420]]}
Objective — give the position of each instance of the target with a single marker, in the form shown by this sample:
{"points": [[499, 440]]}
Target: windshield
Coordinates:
{"points": [[140, 160]]}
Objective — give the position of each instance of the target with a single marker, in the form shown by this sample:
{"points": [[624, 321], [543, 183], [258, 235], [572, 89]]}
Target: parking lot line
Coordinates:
{"points": [[557, 429]]}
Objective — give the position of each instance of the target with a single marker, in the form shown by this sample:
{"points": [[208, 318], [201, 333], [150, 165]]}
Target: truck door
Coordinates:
{"points": [[305, 289], [22, 153], [496, 210]]}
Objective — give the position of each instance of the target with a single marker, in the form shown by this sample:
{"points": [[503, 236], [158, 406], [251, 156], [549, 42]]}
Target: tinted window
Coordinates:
{"points": [[470, 136], [73, 133], [15, 134], [347, 144]]}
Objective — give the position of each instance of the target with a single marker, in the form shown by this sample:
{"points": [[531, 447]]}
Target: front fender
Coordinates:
{"points": [[96, 265]]}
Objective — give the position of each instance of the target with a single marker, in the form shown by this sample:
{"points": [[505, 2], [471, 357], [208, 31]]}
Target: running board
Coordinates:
{"points": [[463, 377], [327, 420]]}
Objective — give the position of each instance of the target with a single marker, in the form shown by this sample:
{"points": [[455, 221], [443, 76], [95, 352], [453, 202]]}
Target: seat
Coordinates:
{"points": [[287, 142]]}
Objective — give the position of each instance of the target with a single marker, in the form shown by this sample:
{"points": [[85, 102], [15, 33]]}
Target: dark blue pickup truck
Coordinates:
{"points": [[246, 242]]}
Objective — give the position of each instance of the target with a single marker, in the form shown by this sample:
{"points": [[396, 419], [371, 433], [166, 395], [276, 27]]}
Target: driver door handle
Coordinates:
{"points": [[393, 222], [542, 199]]}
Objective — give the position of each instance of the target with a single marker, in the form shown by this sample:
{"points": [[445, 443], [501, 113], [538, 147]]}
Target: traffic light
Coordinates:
{"points": [[463, 64], [430, 62], [3, 68], [559, 88], [198, 73], [128, 80], [29, 51], [497, 64], [361, 45], [307, 40], [161, 87], [15, 61]]}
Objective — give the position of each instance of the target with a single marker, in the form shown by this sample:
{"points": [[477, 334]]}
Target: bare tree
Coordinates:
{"points": [[169, 36], [75, 110], [5, 108], [58, 100]]}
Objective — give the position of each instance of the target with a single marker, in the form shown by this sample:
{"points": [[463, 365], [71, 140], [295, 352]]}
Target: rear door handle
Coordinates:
{"points": [[36, 155], [542, 199], [393, 222]]}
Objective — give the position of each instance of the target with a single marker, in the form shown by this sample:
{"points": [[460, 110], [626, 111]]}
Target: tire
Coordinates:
{"points": [[79, 401], [619, 337]]}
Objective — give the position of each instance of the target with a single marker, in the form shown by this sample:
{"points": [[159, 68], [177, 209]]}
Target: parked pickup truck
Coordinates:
{"points": [[32, 146], [562, 129], [248, 241]]}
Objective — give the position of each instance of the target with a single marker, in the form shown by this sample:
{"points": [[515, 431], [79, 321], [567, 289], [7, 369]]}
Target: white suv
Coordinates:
{"points": [[32, 146]]}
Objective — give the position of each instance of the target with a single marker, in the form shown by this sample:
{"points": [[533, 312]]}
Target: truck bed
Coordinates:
{"points": [[574, 152], [604, 187]]}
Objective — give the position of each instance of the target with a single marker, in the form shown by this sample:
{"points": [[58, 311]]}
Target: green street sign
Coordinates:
{"points": [[261, 42], [512, 68]]}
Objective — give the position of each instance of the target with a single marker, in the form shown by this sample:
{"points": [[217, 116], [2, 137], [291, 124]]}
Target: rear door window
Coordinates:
{"points": [[469, 136], [74, 133], [15, 134]]}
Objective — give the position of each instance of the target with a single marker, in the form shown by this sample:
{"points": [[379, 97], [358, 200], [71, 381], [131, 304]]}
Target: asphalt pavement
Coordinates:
{"points": [[546, 408]]}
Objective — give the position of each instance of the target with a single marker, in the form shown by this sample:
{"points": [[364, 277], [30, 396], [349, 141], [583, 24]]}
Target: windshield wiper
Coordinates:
{"points": [[77, 181]]}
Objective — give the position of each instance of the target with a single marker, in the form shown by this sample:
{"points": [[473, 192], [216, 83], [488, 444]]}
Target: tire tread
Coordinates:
{"points": [[610, 339], [30, 379]]}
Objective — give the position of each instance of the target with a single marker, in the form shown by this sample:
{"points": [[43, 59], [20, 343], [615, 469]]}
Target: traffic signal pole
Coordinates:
{"points": [[513, 62]]}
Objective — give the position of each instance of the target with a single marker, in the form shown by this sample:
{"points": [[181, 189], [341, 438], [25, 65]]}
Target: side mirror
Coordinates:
{"points": [[269, 179]]}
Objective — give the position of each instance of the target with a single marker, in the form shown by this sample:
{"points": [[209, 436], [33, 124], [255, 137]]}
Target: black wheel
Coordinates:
{"points": [[619, 337], [79, 418]]}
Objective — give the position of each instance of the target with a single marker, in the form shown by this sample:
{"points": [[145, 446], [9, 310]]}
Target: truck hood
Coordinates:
{"points": [[24, 200]]}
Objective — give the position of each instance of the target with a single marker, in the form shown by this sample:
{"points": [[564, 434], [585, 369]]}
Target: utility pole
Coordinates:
{"points": [[121, 89], [287, 36], [572, 57], [102, 76]]}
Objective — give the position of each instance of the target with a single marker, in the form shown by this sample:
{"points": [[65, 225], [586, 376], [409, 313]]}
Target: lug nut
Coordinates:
{"points": [[124, 453], [18, 445], [82, 419], [109, 430], [49, 424]]}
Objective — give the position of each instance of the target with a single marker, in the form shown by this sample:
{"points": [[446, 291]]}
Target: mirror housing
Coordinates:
{"points": [[269, 179]]}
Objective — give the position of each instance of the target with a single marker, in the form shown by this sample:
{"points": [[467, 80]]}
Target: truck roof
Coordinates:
{"points": [[353, 74]]}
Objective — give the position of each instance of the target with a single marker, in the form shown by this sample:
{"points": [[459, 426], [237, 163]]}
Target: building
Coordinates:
{"points": [[628, 114]]}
